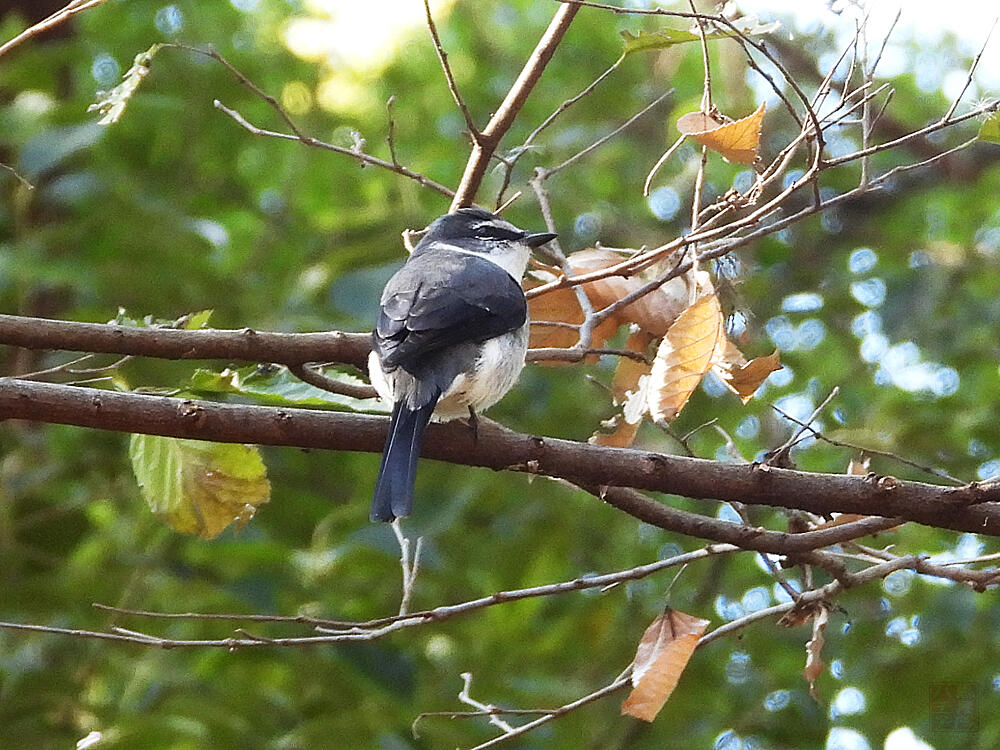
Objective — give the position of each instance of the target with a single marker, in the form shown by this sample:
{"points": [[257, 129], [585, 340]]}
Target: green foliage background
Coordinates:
{"points": [[176, 209]]}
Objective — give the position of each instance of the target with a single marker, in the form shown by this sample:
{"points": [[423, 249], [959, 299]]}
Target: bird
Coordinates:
{"points": [[450, 337]]}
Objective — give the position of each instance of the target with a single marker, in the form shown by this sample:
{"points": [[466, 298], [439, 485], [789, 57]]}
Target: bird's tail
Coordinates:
{"points": [[393, 495]]}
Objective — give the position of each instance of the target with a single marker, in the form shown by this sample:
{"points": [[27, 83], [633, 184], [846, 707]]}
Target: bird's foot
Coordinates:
{"points": [[473, 423]]}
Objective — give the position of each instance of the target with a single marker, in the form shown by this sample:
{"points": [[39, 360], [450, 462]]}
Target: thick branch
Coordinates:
{"points": [[974, 508], [171, 343]]}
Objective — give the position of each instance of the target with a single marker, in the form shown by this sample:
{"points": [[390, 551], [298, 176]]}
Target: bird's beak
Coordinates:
{"points": [[536, 240]]}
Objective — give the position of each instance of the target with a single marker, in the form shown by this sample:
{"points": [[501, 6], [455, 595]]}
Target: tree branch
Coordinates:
{"points": [[170, 343], [449, 76], [70, 10], [499, 124], [361, 156], [974, 507]]}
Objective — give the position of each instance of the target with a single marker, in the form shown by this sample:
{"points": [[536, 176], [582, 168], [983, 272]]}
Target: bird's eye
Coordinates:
{"points": [[493, 232]]}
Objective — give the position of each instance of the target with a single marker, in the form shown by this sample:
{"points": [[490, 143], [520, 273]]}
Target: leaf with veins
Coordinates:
{"points": [[661, 657]]}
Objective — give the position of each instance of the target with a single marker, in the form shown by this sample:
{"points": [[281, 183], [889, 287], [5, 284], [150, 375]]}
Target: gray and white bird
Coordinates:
{"points": [[450, 339]]}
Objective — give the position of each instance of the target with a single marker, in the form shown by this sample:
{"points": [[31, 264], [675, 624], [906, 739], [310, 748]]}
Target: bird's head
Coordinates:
{"points": [[476, 230]]}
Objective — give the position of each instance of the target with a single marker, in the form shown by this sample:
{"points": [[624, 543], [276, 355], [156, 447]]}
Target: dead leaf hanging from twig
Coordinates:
{"points": [[814, 650], [628, 390], [653, 313], [736, 141], [741, 377], [685, 355], [661, 657]]}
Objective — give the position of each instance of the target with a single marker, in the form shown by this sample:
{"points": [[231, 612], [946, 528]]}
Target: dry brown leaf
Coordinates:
{"points": [[859, 467], [814, 650], [652, 313], [621, 432], [661, 657], [727, 357], [684, 356], [737, 141], [626, 390], [744, 380]]}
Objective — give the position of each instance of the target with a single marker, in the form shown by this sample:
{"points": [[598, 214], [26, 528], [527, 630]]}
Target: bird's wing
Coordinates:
{"points": [[440, 299]]}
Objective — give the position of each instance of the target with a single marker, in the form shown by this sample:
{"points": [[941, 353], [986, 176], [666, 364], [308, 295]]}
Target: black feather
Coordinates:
{"points": [[442, 299], [393, 496]]}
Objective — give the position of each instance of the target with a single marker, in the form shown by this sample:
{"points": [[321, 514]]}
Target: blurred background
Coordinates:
{"points": [[892, 297]]}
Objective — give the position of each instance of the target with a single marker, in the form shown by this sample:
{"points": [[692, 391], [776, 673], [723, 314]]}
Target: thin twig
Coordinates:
{"points": [[554, 248], [972, 71], [885, 42], [578, 354], [601, 141], [307, 374], [659, 163], [706, 94], [783, 448], [516, 153], [486, 708], [614, 687], [500, 123], [410, 566], [390, 137], [17, 175], [699, 184], [355, 152], [449, 76], [448, 611], [872, 451], [68, 11], [360, 156]]}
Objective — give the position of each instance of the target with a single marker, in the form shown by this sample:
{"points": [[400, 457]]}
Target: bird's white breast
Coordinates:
{"points": [[497, 368]]}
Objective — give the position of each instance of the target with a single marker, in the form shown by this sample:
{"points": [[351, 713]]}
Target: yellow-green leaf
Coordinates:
{"points": [[276, 386], [664, 38], [647, 40], [990, 131], [199, 487]]}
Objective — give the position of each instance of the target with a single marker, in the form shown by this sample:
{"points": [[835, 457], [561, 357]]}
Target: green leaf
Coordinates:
{"points": [[659, 39], [664, 38], [276, 386], [990, 131], [196, 320], [199, 487], [190, 322]]}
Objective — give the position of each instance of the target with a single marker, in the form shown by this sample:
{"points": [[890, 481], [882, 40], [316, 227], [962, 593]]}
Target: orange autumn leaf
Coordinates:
{"points": [[619, 432], [653, 312], [684, 356], [745, 379], [561, 306], [814, 650], [661, 657], [736, 141], [859, 467], [628, 393]]}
